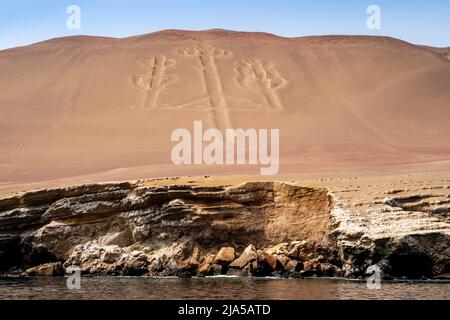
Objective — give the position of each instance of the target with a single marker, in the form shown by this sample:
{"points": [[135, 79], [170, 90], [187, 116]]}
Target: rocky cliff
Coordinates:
{"points": [[187, 229]]}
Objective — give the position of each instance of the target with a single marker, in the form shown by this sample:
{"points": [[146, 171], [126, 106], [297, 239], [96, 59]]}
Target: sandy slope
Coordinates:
{"points": [[80, 106]]}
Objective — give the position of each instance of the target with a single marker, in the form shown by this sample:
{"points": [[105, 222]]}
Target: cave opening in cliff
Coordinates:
{"points": [[9, 253], [411, 265]]}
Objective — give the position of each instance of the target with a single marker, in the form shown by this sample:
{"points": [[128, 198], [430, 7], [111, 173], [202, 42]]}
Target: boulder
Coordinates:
{"points": [[270, 261], [300, 250], [206, 267], [277, 249], [265, 265], [225, 256], [246, 257], [294, 266], [283, 260], [46, 270]]}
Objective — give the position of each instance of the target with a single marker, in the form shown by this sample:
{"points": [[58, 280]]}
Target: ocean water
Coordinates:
{"points": [[144, 288]]}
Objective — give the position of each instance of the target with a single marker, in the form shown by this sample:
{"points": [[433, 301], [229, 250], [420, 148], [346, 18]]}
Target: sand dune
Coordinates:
{"points": [[79, 106]]}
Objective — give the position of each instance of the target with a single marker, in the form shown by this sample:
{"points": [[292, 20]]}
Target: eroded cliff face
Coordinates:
{"points": [[405, 232], [130, 228], [257, 228]]}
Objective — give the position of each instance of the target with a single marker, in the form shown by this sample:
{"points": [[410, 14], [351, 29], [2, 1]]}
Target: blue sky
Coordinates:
{"points": [[418, 21]]}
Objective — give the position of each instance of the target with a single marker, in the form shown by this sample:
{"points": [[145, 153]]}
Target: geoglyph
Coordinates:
{"points": [[250, 73]]}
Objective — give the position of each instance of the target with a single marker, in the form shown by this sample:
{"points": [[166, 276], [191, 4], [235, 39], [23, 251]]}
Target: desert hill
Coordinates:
{"points": [[79, 106]]}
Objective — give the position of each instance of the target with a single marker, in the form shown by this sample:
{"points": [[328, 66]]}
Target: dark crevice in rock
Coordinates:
{"points": [[411, 265], [35, 255], [10, 252]]}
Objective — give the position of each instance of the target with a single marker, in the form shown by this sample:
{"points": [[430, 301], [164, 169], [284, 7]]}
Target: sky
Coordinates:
{"points": [[23, 22]]}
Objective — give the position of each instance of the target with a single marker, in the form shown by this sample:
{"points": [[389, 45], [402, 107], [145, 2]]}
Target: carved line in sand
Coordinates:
{"points": [[256, 73], [215, 99], [211, 80], [155, 80], [251, 73]]}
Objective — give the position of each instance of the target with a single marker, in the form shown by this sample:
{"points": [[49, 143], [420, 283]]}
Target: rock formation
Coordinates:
{"points": [[255, 229]]}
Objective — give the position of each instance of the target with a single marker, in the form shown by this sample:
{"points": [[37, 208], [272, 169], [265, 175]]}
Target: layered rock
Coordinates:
{"points": [[134, 228], [254, 229], [405, 234]]}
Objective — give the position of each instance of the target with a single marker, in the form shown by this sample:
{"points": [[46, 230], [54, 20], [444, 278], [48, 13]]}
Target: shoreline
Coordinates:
{"points": [[237, 278]]}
